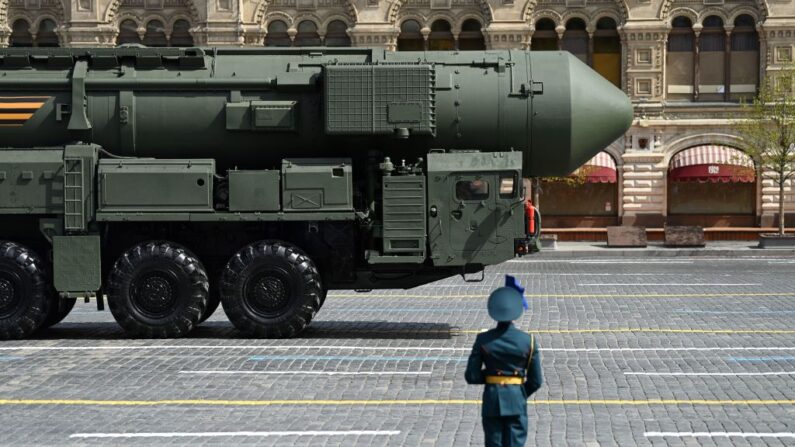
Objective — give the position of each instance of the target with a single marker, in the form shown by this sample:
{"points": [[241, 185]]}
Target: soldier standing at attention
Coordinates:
{"points": [[507, 362]]}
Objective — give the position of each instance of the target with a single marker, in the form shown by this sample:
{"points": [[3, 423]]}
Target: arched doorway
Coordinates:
{"points": [[277, 35], [410, 37], [586, 198], [607, 50], [712, 60], [712, 186], [744, 59], [679, 65], [544, 37], [307, 35], [20, 34], [471, 36], [441, 37], [337, 34], [155, 34], [575, 39], [45, 36], [128, 32], [180, 35]]}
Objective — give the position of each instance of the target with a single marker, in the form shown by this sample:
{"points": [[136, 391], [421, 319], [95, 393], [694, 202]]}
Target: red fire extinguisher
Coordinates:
{"points": [[530, 211]]}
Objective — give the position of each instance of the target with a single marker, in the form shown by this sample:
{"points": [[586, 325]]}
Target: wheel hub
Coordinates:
{"points": [[155, 294], [268, 294], [8, 296]]}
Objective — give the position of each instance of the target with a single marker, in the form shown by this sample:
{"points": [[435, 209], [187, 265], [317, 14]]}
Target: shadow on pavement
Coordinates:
{"points": [[224, 330]]}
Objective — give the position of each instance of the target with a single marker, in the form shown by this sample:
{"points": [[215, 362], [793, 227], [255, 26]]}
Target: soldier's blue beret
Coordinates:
{"points": [[505, 304]]}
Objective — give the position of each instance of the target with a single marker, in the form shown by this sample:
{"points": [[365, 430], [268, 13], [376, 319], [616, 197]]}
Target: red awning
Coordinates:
{"points": [[600, 169], [712, 164]]}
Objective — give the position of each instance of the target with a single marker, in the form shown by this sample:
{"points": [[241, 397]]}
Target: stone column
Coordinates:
{"points": [[643, 59], [5, 33], [643, 189]]}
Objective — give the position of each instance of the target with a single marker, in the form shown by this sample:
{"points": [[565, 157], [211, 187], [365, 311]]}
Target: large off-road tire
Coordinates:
{"points": [[24, 298], [157, 290], [271, 289], [59, 309]]}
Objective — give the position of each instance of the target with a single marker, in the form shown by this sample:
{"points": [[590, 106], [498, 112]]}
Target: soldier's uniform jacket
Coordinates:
{"points": [[505, 351]]}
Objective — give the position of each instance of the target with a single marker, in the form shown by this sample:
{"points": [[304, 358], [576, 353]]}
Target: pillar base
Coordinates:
{"points": [[649, 220]]}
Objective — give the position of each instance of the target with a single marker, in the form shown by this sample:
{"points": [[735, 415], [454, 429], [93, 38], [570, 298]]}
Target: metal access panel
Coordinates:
{"points": [[155, 185], [76, 263], [254, 191], [379, 99], [262, 115], [31, 181], [317, 184], [404, 215]]}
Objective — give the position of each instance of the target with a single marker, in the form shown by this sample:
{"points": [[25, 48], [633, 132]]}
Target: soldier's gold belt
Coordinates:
{"points": [[504, 380]]}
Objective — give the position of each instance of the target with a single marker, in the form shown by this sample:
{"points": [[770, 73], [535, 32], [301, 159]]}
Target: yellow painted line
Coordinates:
{"points": [[266, 403], [566, 295], [15, 116], [646, 330], [21, 105]]}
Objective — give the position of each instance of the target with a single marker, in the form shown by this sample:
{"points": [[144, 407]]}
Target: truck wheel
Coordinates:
{"points": [[24, 302], [157, 290], [271, 289], [59, 309]]}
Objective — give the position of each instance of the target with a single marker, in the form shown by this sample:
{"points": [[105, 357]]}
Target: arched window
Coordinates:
{"points": [[20, 34], [471, 36], [45, 36], [337, 34], [441, 37], [575, 39], [544, 37], [307, 35], [128, 33], [180, 34], [607, 50], [679, 66], [712, 60], [277, 35], [744, 62], [410, 37], [155, 34]]}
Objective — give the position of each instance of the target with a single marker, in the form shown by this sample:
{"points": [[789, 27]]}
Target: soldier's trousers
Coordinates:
{"points": [[505, 431]]}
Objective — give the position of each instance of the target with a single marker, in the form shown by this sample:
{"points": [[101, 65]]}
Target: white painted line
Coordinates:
{"points": [[726, 374], [313, 373], [376, 348], [230, 347], [647, 260], [669, 284], [224, 434], [696, 349], [602, 274], [715, 434]]}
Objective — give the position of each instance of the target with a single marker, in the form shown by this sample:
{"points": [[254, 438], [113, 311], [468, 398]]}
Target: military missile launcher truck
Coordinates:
{"points": [[166, 180]]}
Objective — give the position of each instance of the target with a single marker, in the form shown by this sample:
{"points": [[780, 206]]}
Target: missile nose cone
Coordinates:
{"points": [[579, 114], [600, 112]]}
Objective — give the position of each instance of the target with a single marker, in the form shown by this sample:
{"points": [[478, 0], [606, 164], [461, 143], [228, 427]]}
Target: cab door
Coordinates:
{"points": [[465, 208]]}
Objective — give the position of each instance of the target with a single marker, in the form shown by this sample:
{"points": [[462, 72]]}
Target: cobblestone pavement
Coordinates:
{"points": [[684, 351]]}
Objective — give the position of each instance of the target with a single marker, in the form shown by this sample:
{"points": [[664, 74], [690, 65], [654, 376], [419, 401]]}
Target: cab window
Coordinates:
{"points": [[472, 190]]}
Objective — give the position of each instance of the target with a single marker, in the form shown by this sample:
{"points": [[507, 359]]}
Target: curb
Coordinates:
{"points": [[663, 253]]}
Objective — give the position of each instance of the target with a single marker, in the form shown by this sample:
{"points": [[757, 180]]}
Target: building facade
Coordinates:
{"points": [[686, 64]]}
